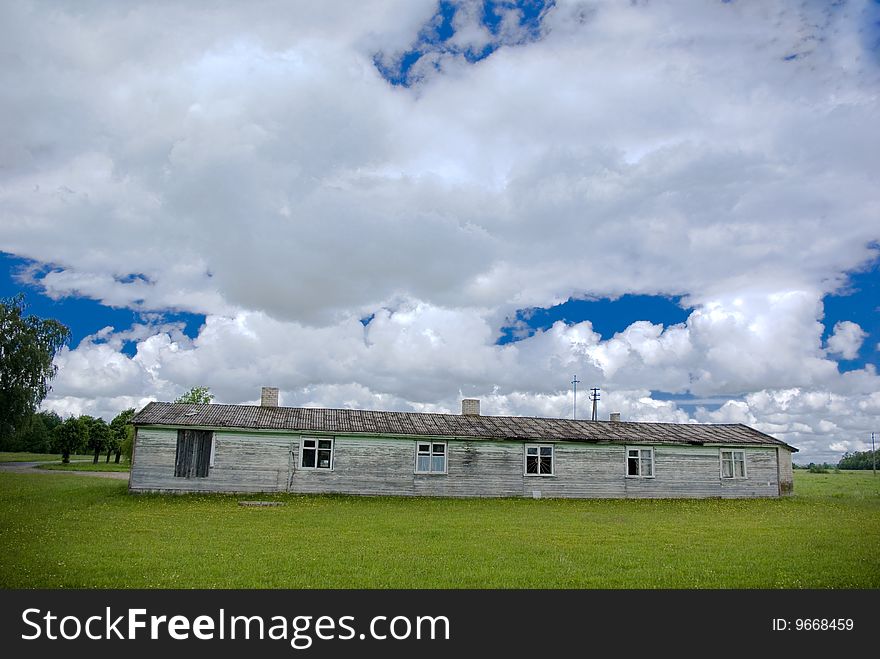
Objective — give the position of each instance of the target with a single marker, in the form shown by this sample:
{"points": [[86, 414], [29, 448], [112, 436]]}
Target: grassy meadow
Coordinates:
{"points": [[37, 457], [58, 531], [87, 466]]}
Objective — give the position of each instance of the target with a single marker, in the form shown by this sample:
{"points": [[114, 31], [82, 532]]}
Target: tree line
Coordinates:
{"points": [[28, 345], [860, 460], [851, 460], [46, 432]]}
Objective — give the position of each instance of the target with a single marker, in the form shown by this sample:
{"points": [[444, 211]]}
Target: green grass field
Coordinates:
{"points": [[37, 457], [58, 531], [87, 466]]}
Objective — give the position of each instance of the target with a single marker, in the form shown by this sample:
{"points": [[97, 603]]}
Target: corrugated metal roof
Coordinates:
{"points": [[306, 419]]}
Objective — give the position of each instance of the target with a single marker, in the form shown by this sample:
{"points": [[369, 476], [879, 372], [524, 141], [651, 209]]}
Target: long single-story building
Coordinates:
{"points": [[267, 448]]}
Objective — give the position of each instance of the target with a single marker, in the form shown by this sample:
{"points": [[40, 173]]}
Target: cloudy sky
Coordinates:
{"points": [[397, 203]]}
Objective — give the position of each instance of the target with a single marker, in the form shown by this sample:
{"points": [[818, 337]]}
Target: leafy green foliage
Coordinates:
{"points": [[27, 347], [860, 460], [122, 434], [45, 433], [197, 396], [72, 436], [99, 435], [34, 435]]}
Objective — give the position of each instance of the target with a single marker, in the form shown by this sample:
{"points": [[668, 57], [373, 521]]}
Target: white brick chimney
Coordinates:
{"points": [[615, 417], [269, 397], [470, 406]]}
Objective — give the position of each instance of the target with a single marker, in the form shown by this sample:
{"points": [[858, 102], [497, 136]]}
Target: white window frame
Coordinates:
{"points": [[430, 472], [213, 448], [552, 448], [302, 447], [640, 449], [733, 452]]}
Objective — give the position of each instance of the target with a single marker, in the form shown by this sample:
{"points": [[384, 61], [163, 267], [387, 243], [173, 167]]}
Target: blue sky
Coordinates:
{"points": [[398, 203], [436, 35], [82, 315], [858, 302]]}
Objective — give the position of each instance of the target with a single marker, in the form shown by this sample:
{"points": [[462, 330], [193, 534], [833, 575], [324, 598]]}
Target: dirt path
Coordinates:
{"points": [[31, 468]]}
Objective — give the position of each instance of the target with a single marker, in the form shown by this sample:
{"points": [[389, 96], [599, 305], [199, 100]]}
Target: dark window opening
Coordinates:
{"points": [[640, 462], [539, 460], [317, 454]]}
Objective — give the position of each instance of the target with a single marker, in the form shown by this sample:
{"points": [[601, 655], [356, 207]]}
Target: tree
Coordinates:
{"points": [[99, 436], [27, 348], [859, 460], [50, 419], [122, 433], [35, 434], [34, 437], [197, 396], [70, 437]]}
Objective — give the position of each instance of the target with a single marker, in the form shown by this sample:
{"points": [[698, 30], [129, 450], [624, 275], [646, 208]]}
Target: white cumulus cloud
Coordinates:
{"points": [[250, 163], [846, 339]]}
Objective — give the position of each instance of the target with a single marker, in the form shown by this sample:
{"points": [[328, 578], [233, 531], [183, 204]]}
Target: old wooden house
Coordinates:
{"points": [[249, 448]]}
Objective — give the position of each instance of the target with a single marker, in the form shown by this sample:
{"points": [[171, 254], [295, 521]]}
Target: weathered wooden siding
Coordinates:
{"points": [[786, 476], [384, 466], [474, 469], [243, 462], [694, 471]]}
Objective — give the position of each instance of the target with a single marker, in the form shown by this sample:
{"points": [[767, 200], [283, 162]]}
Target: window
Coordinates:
{"points": [[640, 462], [195, 453], [733, 464], [539, 460], [431, 458], [316, 453]]}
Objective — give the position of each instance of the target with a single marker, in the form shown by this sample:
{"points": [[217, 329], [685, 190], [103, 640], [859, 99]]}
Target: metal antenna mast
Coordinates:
{"points": [[873, 456], [575, 382], [594, 396]]}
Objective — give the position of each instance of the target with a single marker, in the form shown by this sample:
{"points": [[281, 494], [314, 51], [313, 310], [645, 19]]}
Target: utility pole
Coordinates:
{"points": [[873, 456], [575, 382], [594, 396]]}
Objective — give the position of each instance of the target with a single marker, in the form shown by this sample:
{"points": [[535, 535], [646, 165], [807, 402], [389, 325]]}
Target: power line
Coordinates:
{"points": [[594, 396]]}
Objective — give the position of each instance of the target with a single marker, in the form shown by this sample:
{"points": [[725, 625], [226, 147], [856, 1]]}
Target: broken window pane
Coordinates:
{"points": [[323, 458], [531, 464], [316, 453], [632, 467], [726, 464], [539, 460], [308, 457]]}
